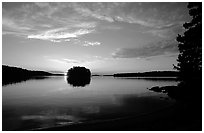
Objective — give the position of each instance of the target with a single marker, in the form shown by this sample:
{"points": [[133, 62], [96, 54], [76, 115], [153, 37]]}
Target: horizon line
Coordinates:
{"points": [[62, 72]]}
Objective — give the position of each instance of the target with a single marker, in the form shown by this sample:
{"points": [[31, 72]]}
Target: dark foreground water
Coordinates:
{"points": [[49, 102]]}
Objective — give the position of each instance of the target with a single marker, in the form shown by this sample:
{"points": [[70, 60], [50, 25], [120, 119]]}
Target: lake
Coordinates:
{"points": [[52, 101]]}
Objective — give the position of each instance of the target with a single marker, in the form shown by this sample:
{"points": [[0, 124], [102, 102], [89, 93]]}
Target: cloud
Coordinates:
{"points": [[72, 20], [86, 25], [60, 34], [111, 12], [87, 43], [146, 14], [11, 27], [86, 10], [152, 49], [67, 61], [45, 21], [134, 20], [110, 27], [42, 4], [57, 61], [87, 60], [72, 61], [169, 31], [83, 43]]}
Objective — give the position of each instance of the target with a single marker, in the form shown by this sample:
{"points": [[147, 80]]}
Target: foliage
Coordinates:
{"points": [[79, 72], [190, 44], [79, 76]]}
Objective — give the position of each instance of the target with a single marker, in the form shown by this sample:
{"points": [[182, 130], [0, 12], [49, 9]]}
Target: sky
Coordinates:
{"points": [[104, 37]]}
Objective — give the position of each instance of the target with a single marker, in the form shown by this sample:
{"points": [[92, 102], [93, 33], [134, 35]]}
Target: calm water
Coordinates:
{"points": [[52, 101]]}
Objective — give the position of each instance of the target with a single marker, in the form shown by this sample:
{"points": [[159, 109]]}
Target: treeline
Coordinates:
{"points": [[149, 74], [15, 74]]}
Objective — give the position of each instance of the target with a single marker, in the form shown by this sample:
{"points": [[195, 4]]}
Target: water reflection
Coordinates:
{"points": [[52, 102], [78, 81], [167, 79], [14, 80]]}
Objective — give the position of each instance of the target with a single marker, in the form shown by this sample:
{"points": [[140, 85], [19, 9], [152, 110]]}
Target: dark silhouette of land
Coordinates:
{"points": [[182, 92], [14, 74], [78, 76]]}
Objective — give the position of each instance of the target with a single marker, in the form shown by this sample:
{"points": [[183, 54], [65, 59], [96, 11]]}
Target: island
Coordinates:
{"points": [[78, 76]]}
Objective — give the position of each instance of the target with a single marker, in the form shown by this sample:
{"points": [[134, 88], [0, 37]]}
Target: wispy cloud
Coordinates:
{"points": [[86, 60], [93, 10], [153, 15], [130, 12], [72, 61], [83, 43], [42, 4], [61, 34], [134, 20], [39, 21], [111, 27], [169, 31], [112, 12], [57, 61], [58, 22], [66, 61], [155, 49], [9, 26], [87, 43], [12, 25], [86, 25]]}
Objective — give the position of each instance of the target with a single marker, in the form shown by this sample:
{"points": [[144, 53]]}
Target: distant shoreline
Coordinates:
{"points": [[12, 74], [151, 74], [11, 70], [15, 74]]}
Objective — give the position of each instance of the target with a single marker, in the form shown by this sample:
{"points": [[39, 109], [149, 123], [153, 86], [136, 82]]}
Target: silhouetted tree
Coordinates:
{"points": [[190, 45], [79, 76], [79, 72]]}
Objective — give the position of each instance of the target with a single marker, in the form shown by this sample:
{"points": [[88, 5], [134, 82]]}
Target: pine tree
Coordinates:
{"points": [[190, 45]]}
